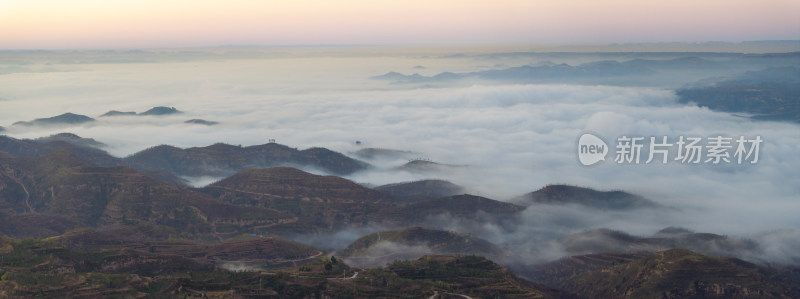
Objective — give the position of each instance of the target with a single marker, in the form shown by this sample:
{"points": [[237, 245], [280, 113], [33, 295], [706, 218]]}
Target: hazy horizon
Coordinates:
{"points": [[48, 24], [499, 93]]}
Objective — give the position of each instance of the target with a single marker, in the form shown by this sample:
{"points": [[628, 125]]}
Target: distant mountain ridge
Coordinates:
{"points": [[66, 118], [563, 71], [768, 94], [70, 118]]}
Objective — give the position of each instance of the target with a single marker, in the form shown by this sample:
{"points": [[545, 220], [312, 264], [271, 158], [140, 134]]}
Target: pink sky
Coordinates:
{"points": [[32, 24]]}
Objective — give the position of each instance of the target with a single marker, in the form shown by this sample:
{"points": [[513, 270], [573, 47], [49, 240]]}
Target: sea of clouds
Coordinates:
{"points": [[515, 138]]}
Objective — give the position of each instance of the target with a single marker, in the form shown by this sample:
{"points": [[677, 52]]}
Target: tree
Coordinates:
{"points": [[328, 267], [333, 260]]}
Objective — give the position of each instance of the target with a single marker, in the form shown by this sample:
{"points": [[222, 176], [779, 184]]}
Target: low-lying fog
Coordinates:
{"points": [[515, 137]]}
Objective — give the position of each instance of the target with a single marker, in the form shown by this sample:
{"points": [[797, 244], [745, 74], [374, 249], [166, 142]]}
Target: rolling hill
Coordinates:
{"points": [[468, 207], [161, 110], [82, 148], [71, 139], [46, 268], [422, 166], [675, 273], [222, 160], [380, 248], [255, 251], [460, 276], [606, 240], [417, 191], [63, 185], [318, 202], [564, 194]]}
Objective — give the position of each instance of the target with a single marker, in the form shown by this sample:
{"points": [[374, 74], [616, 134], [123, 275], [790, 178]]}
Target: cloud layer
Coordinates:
{"points": [[515, 138]]}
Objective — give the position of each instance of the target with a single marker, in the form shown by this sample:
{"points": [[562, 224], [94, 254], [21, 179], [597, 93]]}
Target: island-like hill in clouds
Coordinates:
{"points": [[63, 119], [565, 194], [204, 122], [224, 160], [117, 113], [71, 119], [158, 110], [161, 110]]}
